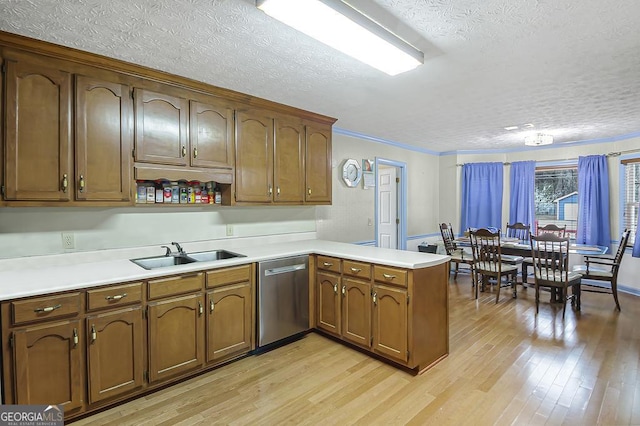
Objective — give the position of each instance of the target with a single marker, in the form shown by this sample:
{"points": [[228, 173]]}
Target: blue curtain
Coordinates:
{"points": [[593, 201], [522, 200], [636, 243], [481, 195]]}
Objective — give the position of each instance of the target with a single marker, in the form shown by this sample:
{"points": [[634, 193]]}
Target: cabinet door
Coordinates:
{"points": [[176, 336], [48, 365], [390, 322], [254, 157], [38, 133], [115, 362], [356, 311], [103, 140], [288, 156], [211, 134], [229, 321], [328, 302], [318, 165], [161, 128]]}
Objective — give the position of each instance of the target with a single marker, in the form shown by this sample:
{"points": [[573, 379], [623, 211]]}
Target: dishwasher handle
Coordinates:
{"points": [[285, 269]]}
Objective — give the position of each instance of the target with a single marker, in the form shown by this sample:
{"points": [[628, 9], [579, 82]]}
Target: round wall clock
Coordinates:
{"points": [[351, 172]]}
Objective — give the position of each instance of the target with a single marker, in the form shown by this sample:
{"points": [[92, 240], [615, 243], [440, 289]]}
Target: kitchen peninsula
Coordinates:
{"points": [[112, 330]]}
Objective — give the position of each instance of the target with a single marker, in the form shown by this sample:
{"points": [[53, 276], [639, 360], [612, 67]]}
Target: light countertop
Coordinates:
{"points": [[22, 277]]}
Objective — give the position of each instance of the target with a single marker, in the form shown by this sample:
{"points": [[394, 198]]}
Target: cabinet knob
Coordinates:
{"points": [[309, 190], [278, 190], [335, 288], [94, 334], [81, 183], [184, 151], [344, 289], [47, 309], [195, 152], [327, 264], [211, 306], [356, 270], [75, 337], [200, 310], [270, 192], [389, 276], [375, 298], [116, 297], [65, 182]]}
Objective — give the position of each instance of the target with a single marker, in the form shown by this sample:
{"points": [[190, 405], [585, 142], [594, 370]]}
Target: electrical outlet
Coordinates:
{"points": [[229, 230], [68, 240]]}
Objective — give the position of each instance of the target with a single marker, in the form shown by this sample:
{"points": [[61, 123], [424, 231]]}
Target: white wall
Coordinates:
{"points": [[37, 231], [450, 181], [347, 219]]}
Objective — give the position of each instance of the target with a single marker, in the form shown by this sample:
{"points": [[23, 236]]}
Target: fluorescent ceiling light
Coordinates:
{"points": [[340, 26], [538, 139]]}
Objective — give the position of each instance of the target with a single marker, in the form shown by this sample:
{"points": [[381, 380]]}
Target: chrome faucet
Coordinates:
{"points": [[168, 252], [180, 251]]}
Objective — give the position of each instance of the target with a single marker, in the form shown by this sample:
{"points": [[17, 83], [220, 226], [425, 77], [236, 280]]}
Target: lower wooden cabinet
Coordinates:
{"points": [[48, 363], [115, 356], [176, 336], [399, 314], [390, 322], [229, 321], [356, 311], [328, 291]]}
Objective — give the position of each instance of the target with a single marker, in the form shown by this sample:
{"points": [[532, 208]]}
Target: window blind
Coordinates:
{"points": [[631, 197]]}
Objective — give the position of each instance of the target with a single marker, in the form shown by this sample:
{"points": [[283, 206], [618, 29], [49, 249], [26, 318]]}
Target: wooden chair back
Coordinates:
{"points": [[518, 230], [620, 252], [560, 231], [487, 253], [448, 238], [550, 254]]}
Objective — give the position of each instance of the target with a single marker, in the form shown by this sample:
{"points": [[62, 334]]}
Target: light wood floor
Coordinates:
{"points": [[506, 366]]}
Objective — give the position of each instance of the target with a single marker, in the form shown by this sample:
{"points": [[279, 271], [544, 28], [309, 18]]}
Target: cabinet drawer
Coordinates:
{"points": [[329, 264], [389, 275], [114, 296], [225, 276], [175, 285], [45, 308], [356, 269]]}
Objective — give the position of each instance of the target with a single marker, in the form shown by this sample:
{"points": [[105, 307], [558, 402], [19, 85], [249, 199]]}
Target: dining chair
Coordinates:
{"points": [[457, 254], [488, 262], [550, 255], [606, 270], [518, 230], [550, 228]]}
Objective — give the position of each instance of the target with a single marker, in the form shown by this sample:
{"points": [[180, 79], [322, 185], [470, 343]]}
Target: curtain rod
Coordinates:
{"points": [[610, 154]]}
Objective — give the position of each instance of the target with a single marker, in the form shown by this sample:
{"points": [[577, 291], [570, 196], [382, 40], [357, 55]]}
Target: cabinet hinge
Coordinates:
{"points": [[2, 189], [371, 341], [408, 298], [397, 180], [133, 153], [11, 341], [4, 67], [397, 221], [408, 353], [145, 376]]}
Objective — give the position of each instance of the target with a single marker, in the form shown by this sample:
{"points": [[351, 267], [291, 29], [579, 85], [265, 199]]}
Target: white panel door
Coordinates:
{"points": [[388, 204]]}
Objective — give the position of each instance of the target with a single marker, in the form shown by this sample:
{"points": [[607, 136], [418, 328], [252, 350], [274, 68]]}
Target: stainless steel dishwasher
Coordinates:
{"points": [[283, 300]]}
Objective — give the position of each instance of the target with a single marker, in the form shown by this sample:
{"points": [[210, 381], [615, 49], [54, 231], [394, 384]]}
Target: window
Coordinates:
{"points": [[556, 197], [630, 196]]}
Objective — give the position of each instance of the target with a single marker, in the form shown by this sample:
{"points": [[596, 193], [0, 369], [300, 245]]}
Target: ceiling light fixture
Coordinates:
{"points": [[344, 28], [538, 139]]}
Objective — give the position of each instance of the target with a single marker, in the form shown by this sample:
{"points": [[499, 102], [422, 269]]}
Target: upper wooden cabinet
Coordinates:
{"points": [[103, 140], [254, 156], [161, 128], [38, 132], [318, 164], [211, 134], [288, 157]]}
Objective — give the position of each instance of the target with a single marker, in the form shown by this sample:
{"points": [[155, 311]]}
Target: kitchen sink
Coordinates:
{"points": [[156, 262], [208, 256], [162, 261]]}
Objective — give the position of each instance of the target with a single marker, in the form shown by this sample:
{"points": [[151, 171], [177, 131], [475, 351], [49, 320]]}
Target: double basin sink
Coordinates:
{"points": [[156, 262]]}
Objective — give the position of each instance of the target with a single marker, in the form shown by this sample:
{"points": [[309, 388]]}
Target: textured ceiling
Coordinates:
{"points": [[569, 67]]}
